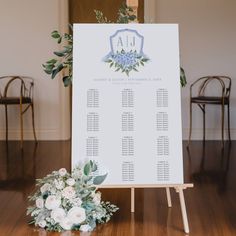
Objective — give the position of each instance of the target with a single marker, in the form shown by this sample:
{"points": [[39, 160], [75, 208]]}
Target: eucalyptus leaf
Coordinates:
{"points": [[144, 59], [183, 80], [66, 80], [93, 166], [132, 18], [52, 61], [59, 54], [59, 40], [87, 169], [55, 34], [49, 72], [99, 179], [57, 70], [31, 222]]}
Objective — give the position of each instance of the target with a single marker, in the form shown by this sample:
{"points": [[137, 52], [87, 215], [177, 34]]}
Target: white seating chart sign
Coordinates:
{"points": [[126, 102]]}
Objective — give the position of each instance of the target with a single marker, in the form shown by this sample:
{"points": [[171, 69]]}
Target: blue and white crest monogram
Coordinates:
{"points": [[126, 53]]}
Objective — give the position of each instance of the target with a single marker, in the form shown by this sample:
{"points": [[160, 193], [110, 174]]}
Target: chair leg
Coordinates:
{"points": [[32, 109], [21, 126], [229, 122], [222, 123], [204, 122], [190, 124], [6, 118]]}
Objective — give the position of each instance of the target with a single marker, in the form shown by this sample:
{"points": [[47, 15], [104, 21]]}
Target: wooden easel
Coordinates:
{"points": [[178, 188]]}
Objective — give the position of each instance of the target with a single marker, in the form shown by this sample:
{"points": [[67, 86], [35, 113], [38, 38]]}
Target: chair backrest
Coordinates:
{"points": [[211, 85], [16, 86]]}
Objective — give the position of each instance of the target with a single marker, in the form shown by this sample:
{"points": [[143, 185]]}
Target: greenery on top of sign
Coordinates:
{"points": [[64, 60]]}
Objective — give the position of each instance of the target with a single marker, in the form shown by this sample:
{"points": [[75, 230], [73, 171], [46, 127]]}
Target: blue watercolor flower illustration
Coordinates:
{"points": [[126, 59]]}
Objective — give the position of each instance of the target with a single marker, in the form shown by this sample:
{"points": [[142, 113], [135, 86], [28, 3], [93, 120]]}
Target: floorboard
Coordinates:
{"points": [[211, 204]]}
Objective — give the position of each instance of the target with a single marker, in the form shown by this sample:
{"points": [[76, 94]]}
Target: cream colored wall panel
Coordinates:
{"points": [[25, 44], [207, 47]]}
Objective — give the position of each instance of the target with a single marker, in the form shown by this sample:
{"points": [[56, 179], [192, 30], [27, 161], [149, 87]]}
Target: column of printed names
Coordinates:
{"points": [[162, 142], [127, 140]]}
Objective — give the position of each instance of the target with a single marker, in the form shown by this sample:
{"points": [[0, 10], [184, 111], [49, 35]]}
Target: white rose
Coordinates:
{"points": [[68, 192], [59, 184], [66, 223], [85, 228], [52, 202], [46, 187], [77, 215], [42, 223], [97, 198], [58, 215], [39, 203], [62, 172], [70, 181]]}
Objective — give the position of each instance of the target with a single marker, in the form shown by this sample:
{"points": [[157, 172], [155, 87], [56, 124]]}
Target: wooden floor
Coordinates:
{"points": [[211, 204]]}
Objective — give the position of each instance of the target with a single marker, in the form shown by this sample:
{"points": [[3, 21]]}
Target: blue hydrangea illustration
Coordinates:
{"points": [[126, 51]]}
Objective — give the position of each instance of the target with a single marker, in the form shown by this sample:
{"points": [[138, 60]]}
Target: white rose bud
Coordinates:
{"points": [[39, 203], [46, 187], [70, 181], [62, 172], [42, 223]]}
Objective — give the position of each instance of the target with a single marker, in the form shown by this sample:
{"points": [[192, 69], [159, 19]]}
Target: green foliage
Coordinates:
{"points": [[62, 192], [64, 60], [99, 179], [101, 18], [183, 79], [125, 15]]}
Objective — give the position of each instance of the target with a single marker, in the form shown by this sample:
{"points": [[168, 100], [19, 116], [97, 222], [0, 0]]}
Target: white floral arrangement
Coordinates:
{"points": [[65, 201]]}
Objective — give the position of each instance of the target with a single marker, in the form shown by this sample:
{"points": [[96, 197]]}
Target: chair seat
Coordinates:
{"points": [[209, 100], [14, 100]]}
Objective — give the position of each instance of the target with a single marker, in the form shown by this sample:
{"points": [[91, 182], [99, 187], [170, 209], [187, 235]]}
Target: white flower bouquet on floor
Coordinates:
{"points": [[65, 201]]}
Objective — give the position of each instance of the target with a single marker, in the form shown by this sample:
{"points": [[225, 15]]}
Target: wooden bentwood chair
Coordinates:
{"points": [[17, 90], [202, 99]]}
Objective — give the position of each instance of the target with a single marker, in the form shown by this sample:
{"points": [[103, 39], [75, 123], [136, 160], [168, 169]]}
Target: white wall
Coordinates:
{"points": [[207, 47], [25, 29]]}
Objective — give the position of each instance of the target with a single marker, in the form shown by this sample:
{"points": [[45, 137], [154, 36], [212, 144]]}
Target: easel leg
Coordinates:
{"points": [[132, 200], [183, 210], [168, 196]]}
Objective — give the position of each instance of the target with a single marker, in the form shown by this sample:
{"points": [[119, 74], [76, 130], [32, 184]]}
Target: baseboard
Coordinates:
{"points": [[211, 134], [52, 134]]}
